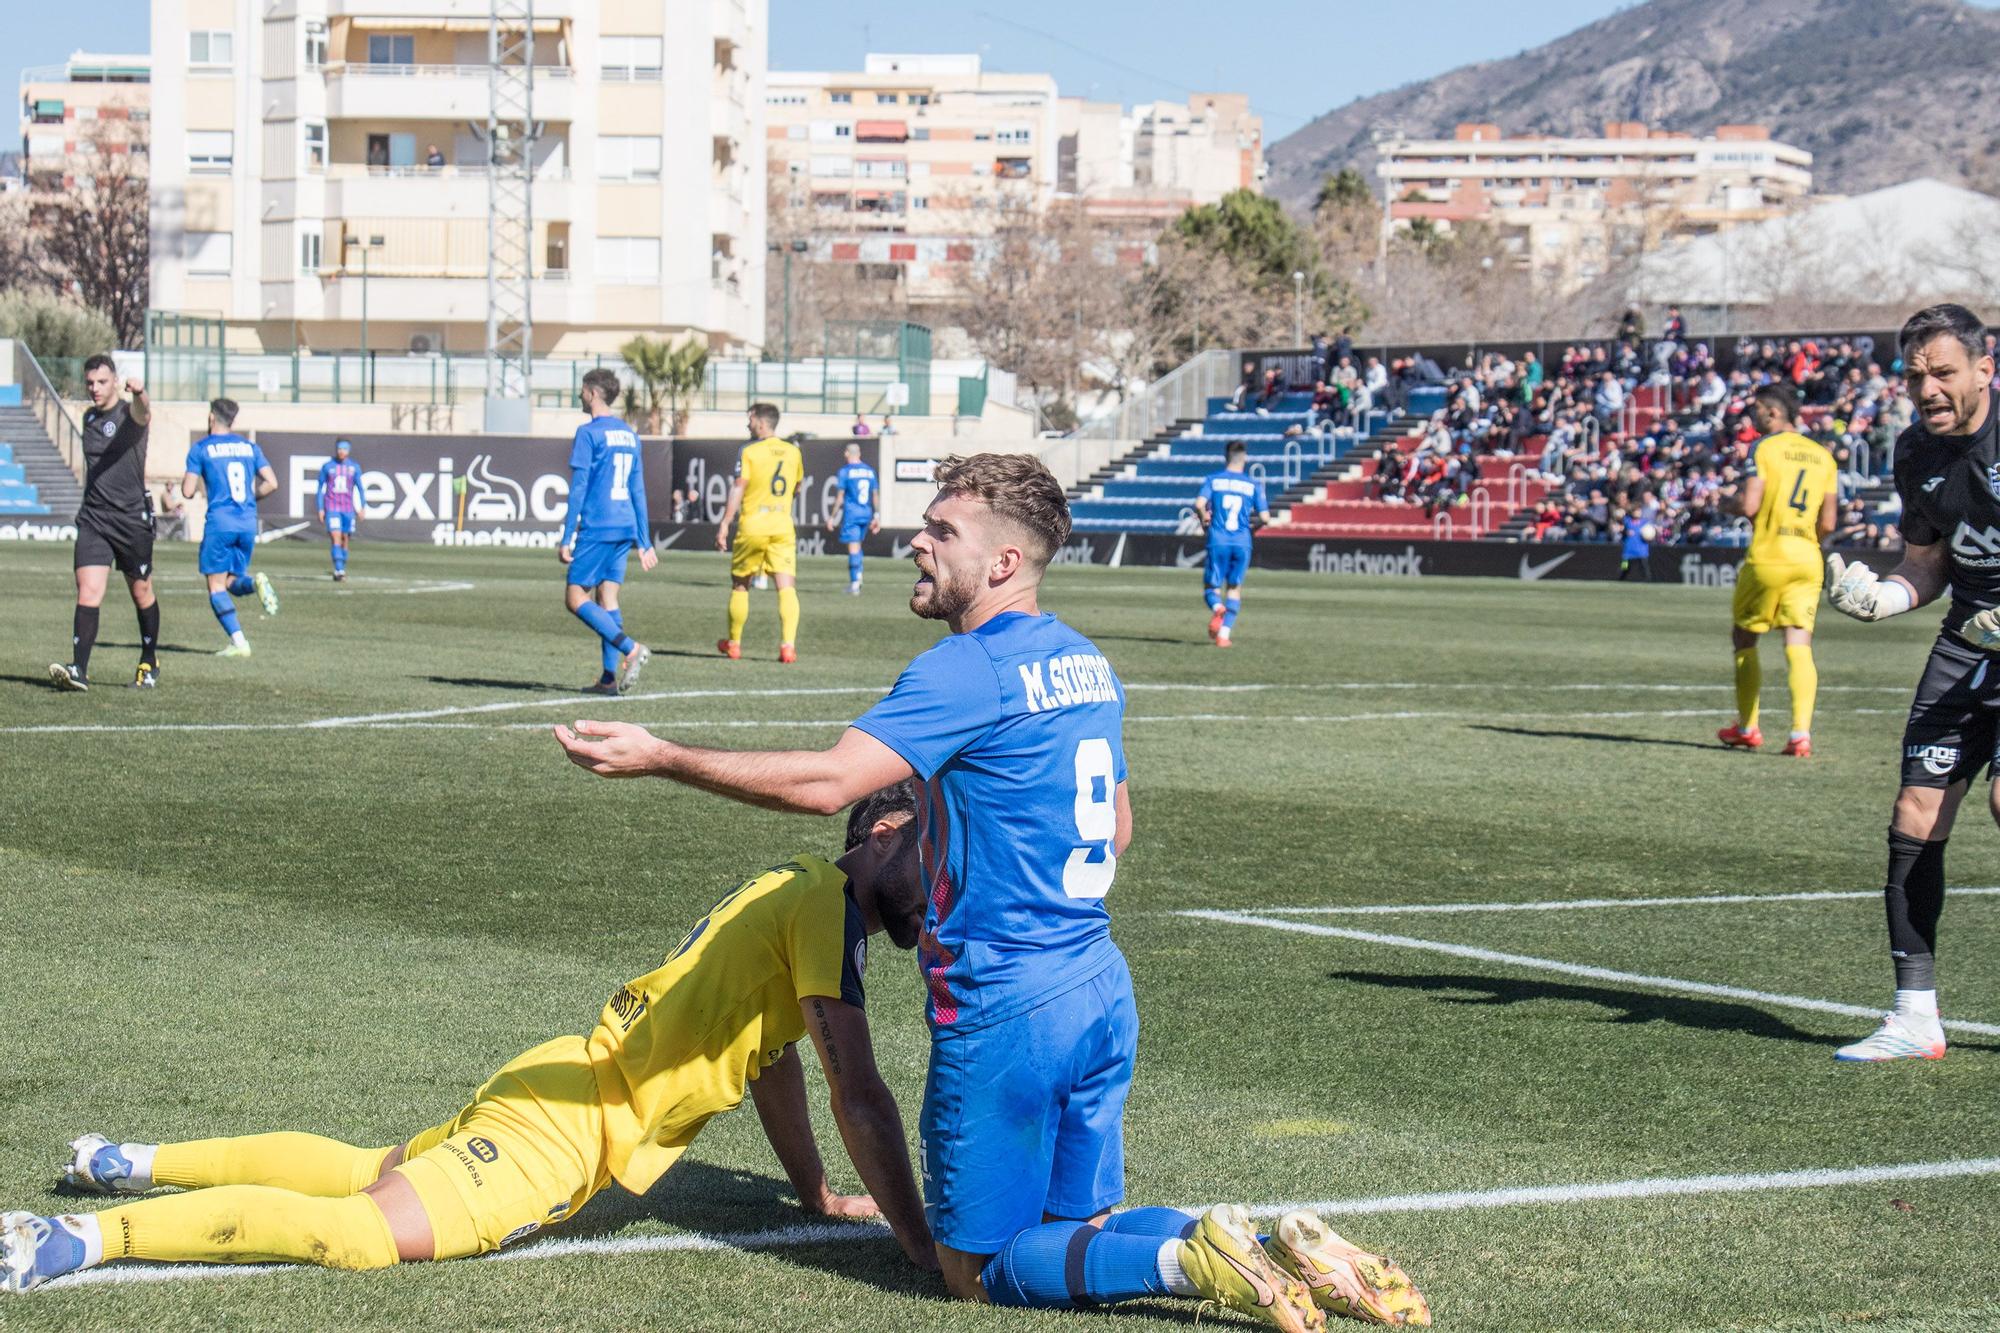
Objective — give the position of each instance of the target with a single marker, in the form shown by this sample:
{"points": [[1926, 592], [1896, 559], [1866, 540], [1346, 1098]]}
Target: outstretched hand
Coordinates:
{"points": [[610, 749]]}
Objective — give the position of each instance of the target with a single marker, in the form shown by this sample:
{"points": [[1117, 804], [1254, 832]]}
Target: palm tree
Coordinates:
{"points": [[669, 376]]}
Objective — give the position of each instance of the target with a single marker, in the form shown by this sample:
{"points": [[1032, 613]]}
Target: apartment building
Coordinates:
{"points": [[321, 164], [904, 165], [1574, 206], [88, 104]]}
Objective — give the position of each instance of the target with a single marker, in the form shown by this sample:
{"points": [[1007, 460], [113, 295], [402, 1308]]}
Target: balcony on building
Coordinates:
{"points": [[408, 68], [881, 131], [412, 169]]}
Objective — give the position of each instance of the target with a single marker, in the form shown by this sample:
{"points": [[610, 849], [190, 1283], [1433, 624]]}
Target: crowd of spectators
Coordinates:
{"points": [[1577, 425]]}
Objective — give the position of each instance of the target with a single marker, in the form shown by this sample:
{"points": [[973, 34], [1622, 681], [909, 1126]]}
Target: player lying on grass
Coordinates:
{"points": [[779, 958]]}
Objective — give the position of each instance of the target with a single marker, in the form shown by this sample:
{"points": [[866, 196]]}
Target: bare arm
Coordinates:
{"points": [[812, 782], [142, 406], [780, 1095], [1829, 514], [1123, 838], [1201, 510], [870, 1124], [1925, 571], [729, 511], [267, 481], [189, 482], [1749, 498]]}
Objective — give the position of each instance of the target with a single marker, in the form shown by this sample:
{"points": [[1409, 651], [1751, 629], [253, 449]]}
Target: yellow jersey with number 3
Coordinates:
{"points": [[680, 1044], [771, 470], [1798, 475]]}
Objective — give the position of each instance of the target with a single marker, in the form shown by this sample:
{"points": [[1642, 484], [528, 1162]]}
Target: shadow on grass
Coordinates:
{"points": [[1611, 737], [1631, 1006], [165, 647], [1152, 638], [42, 680]]}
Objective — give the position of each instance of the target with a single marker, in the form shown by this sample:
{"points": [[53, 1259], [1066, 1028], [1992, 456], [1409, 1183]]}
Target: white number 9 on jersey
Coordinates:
{"points": [[1096, 823]]}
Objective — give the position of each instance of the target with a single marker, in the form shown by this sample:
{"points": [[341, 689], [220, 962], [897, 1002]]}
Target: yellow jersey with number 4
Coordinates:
{"points": [[770, 470], [1798, 475]]}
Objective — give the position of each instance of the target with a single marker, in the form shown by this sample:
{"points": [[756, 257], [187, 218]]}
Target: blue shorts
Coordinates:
{"points": [[854, 527], [1227, 564], [595, 562], [339, 523], [1026, 1117], [226, 552]]}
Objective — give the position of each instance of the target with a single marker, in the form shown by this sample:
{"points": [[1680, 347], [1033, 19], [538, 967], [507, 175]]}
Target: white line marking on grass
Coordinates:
{"points": [[1671, 984], [1581, 904], [821, 1233]]}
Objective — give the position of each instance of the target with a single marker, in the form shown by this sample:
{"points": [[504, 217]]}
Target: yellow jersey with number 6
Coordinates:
{"points": [[1798, 475], [770, 470]]}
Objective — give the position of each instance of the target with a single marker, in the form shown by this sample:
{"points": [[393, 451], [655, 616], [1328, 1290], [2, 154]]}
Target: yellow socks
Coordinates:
{"points": [[247, 1224], [739, 612], [301, 1163], [788, 615], [1802, 674], [1749, 680]]}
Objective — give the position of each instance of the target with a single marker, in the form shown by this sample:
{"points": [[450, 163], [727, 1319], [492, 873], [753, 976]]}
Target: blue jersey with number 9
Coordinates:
{"points": [[1016, 733]]}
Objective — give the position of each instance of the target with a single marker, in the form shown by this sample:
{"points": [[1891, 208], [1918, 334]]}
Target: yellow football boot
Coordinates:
{"points": [[1223, 1259], [1345, 1279]]}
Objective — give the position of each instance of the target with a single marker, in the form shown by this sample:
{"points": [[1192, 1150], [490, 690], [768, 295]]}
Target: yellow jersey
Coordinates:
{"points": [[681, 1043], [770, 470], [1798, 475]]}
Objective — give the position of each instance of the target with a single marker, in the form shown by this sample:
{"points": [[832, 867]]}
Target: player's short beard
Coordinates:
{"points": [[948, 598]]}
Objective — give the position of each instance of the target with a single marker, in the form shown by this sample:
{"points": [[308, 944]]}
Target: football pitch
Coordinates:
{"points": [[1444, 912]]}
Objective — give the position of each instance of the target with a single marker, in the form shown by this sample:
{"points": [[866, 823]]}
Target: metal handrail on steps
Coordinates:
{"points": [[40, 397]]}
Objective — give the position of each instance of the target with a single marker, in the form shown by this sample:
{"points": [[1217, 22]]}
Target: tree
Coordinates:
{"points": [[53, 325], [92, 238], [1341, 191], [1264, 247], [669, 376]]}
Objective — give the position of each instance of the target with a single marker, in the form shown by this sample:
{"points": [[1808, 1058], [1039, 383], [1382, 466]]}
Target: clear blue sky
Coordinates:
{"points": [[1295, 60]]}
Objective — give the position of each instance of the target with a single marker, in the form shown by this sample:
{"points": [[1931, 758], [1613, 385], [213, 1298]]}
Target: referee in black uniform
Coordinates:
{"points": [[1948, 475], [115, 524]]}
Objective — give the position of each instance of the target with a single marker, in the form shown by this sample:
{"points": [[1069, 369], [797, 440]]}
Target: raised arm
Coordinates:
{"points": [[780, 1095], [813, 782], [870, 1124]]}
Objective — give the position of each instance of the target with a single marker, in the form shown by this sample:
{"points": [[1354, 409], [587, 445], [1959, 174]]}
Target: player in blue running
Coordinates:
{"points": [[235, 474], [1012, 726], [1231, 506], [606, 520], [339, 503], [854, 511]]}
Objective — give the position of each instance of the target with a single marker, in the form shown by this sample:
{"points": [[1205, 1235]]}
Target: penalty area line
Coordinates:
{"points": [[1591, 904], [1672, 985], [824, 1233]]}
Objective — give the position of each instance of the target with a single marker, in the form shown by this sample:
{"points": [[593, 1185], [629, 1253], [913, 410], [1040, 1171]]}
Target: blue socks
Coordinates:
{"points": [[606, 625], [1213, 596], [612, 656], [1230, 609], [242, 586], [854, 567], [225, 611], [1074, 1265], [339, 559]]}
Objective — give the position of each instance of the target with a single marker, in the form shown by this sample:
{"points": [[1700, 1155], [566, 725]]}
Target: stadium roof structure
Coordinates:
{"points": [[1920, 240]]}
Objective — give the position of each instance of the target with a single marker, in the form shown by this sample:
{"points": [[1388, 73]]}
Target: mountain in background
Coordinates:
{"points": [[1879, 91]]}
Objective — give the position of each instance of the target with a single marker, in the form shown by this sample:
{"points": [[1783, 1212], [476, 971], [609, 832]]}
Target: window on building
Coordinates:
{"points": [[631, 59], [315, 132], [1011, 168], [886, 99], [920, 202], [843, 131], [208, 253], [827, 165], [315, 44], [840, 97], [628, 157], [392, 48], [213, 48], [1012, 134], [629, 260], [921, 132], [311, 249], [920, 99], [211, 150]]}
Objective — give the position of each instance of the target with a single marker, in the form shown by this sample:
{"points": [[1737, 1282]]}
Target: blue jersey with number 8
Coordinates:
{"points": [[228, 466], [607, 485], [1015, 731]]}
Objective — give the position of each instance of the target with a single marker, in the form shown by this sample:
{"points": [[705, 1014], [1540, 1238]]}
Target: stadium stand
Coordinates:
{"points": [[34, 480], [1507, 447]]}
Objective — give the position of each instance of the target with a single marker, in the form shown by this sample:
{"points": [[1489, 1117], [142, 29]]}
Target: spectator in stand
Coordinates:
{"points": [[1676, 330], [1273, 390], [1326, 406], [1375, 380], [1245, 387], [1387, 482], [433, 158], [1322, 357], [1531, 376], [888, 424], [860, 426], [1609, 400], [1343, 346]]}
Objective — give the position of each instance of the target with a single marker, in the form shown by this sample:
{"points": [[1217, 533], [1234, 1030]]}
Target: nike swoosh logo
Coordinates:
{"points": [[672, 537], [1258, 1286], [1182, 560], [1933, 484], [1529, 573], [898, 550]]}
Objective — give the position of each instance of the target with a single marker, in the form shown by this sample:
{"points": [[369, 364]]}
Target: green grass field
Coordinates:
{"points": [[222, 919]]}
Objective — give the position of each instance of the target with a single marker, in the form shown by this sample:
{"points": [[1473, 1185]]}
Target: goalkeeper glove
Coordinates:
{"points": [[1982, 631], [1856, 590]]}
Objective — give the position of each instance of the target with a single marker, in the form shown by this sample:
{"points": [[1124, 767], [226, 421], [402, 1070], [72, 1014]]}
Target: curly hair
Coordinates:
{"points": [[1017, 488]]}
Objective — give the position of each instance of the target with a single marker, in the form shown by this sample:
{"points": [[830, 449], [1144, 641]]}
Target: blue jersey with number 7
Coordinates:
{"points": [[607, 496], [1015, 731], [1232, 498]]}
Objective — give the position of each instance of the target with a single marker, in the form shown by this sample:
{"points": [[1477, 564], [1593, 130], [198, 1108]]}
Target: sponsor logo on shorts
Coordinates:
{"points": [[1939, 760], [527, 1229], [466, 1160], [483, 1149]]}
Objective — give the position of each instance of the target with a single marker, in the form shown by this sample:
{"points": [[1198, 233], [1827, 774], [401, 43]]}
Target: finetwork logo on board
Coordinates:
{"points": [[1706, 573], [1407, 565]]}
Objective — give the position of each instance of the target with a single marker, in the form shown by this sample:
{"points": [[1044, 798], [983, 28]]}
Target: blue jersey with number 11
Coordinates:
{"points": [[1016, 732], [607, 499]]}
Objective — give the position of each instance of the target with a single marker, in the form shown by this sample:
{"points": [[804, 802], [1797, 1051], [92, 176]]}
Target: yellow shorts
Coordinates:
{"points": [[1777, 596], [754, 554], [527, 1152]]}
